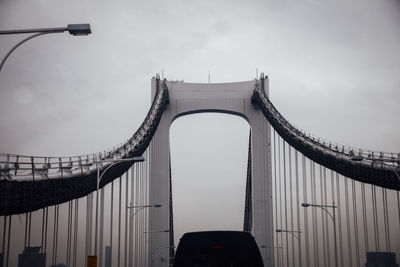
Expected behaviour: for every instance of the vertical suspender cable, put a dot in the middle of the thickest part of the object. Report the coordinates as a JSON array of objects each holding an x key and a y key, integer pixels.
[
  {"x": 276, "y": 201},
  {"x": 54, "y": 234},
  {"x": 119, "y": 221},
  {"x": 364, "y": 212},
  {"x": 136, "y": 223},
  {"x": 130, "y": 241},
  {"x": 87, "y": 228},
  {"x": 145, "y": 211},
  {"x": 137, "y": 219},
  {"x": 305, "y": 211},
  {"x": 298, "y": 207},
  {"x": 349, "y": 251},
  {"x": 280, "y": 193},
  {"x": 143, "y": 174},
  {"x": 143, "y": 190},
  {"x": 4, "y": 239},
  {"x": 69, "y": 223},
  {"x": 386, "y": 218},
  {"x": 126, "y": 219},
  {"x": 89, "y": 224},
  {"x": 75, "y": 232},
  {"x": 111, "y": 220},
  {"x": 339, "y": 220},
  {"x": 328, "y": 258},
  {"x": 42, "y": 237},
  {"x": 101, "y": 230},
  {"x": 333, "y": 201},
  {"x": 139, "y": 233},
  {"x": 58, "y": 217},
  {"x": 4, "y": 234},
  {"x": 8, "y": 240},
  {"x": 374, "y": 213},
  {"x": 291, "y": 203},
  {"x": 45, "y": 230},
  {"x": 286, "y": 215},
  {"x": 90, "y": 214},
  {"x": 140, "y": 214},
  {"x": 323, "y": 216},
  {"x": 356, "y": 240},
  {"x": 147, "y": 190},
  {"x": 314, "y": 214}
]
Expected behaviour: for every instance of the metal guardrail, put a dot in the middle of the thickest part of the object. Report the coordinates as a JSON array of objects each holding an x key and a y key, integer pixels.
[
  {"x": 25, "y": 167},
  {"x": 387, "y": 162}
]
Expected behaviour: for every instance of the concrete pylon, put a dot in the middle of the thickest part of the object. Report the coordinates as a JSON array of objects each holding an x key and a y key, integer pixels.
[{"x": 231, "y": 98}]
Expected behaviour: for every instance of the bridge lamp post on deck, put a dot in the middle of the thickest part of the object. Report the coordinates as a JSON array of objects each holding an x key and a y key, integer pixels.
[
  {"x": 140, "y": 207},
  {"x": 73, "y": 29},
  {"x": 293, "y": 233},
  {"x": 361, "y": 158},
  {"x": 99, "y": 177},
  {"x": 333, "y": 217},
  {"x": 290, "y": 232}
]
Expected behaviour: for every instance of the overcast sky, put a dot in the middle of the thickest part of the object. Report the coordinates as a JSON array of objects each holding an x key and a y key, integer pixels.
[{"x": 334, "y": 69}]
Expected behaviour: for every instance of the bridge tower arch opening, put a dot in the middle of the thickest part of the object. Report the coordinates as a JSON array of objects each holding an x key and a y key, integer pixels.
[
  {"x": 231, "y": 98},
  {"x": 209, "y": 158}
]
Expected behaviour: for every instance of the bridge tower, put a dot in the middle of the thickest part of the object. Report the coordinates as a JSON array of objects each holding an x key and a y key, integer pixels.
[{"x": 231, "y": 98}]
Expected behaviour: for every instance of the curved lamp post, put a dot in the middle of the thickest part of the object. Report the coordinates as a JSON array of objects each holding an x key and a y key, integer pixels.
[
  {"x": 290, "y": 232},
  {"x": 324, "y": 207},
  {"x": 114, "y": 162},
  {"x": 293, "y": 233},
  {"x": 140, "y": 207},
  {"x": 73, "y": 29}
]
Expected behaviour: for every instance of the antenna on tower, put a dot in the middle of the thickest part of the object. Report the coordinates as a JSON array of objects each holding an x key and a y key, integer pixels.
[
  {"x": 256, "y": 73},
  {"x": 162, "y": 74},
  {"x": 209, "y": 77}
]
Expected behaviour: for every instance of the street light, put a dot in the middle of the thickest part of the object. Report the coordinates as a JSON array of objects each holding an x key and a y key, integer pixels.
[
  {"x": 99, "y": 177},
  {"x": 140, "y": 207},
  {"x": 293, "y": 232},
  {"x": 290, "y": 232},
  {"x": 361, "y": 158},
  {"x": 73, "y": 29},
  {"x": 324, "y": 207}
]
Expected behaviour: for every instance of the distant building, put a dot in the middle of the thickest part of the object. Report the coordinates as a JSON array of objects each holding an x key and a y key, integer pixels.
[
  {"x": 31, "y": 257},
  {"x": 381, "y": 259}
]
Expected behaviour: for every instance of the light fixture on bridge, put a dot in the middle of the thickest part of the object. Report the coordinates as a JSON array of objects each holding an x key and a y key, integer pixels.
[
  {"x": 324, "y": 207},
  {"x": 73, "y": 29},
  {"x": 361, "y": 158}
]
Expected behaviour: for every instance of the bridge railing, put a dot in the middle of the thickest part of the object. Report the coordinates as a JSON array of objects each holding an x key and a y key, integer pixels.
[
  {"x": 380, "y": 168},
  {"x": 25, "y": 167}
]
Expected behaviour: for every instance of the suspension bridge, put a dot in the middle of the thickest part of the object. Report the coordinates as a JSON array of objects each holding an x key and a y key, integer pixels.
[{"x": 308, "y": 201}]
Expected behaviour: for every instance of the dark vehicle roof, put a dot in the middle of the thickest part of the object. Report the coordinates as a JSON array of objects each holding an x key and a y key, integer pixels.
[{"x": 218, "y": 249}]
